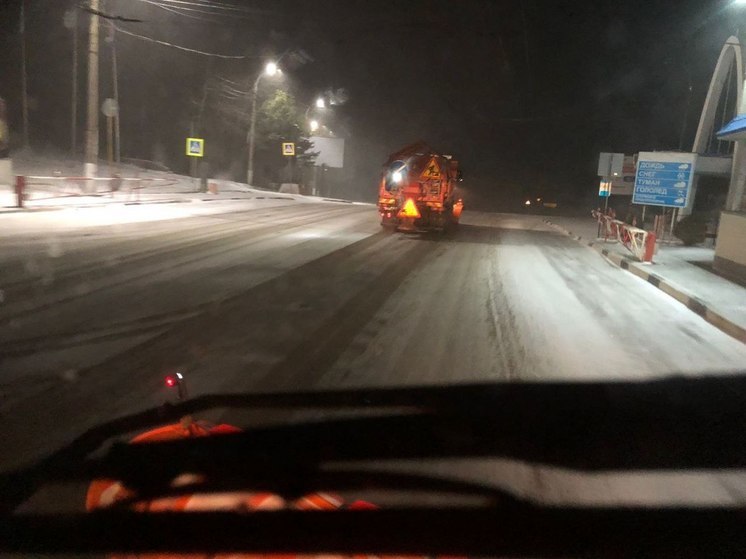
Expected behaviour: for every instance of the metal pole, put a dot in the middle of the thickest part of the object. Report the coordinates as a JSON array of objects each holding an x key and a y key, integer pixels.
[
  {"x": 115, "y": 78},
  {"x": 110, "y": 141},
  {"x": 91, "y": 148},
  {"x": 252, "y": 130},
  {"x": 20, "y": 190},
  {"x": 74, "y": 100},
  {"x": 674, "y": 211},
  {"x": 24, "y": 80},
  {"x": 192, "y": 160}
]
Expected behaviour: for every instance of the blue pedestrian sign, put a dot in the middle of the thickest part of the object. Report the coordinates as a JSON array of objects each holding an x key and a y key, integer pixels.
[
  {"x": 664, "y": 179},
  {"x": 195, "y": 147}
]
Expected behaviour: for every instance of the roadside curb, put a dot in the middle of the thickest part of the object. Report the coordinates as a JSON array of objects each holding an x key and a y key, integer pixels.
[
  {"x": 693, "y": 303},
  {"x": 10, "y": 210},
  {"x": 88, "y": 206}
]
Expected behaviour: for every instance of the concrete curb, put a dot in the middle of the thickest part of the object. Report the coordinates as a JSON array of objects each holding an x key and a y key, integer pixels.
[
  {"x": 88, "y": 206},
  {"x": 11, "y": 210},
  {"x": 693, "y": 303}
]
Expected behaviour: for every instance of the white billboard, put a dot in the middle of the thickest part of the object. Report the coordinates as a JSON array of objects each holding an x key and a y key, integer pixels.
[{"x": 331, "y": 151}]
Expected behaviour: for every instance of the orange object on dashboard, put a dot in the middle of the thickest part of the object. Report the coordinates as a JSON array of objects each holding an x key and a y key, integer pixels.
[{"x": 105, "y": 493}]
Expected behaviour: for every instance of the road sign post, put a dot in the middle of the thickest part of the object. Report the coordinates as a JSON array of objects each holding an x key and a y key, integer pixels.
[
  {"x": 110, "y": 109},
  {"x": 610, "y": 164}
]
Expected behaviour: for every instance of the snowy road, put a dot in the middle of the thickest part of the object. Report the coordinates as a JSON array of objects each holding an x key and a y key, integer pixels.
[{"x": 310, "y": 296}]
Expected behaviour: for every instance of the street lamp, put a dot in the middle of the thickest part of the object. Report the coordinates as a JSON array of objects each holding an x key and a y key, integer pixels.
[
  {"x": 269, "y": 70},
  {"x": 318, "y": 104}
]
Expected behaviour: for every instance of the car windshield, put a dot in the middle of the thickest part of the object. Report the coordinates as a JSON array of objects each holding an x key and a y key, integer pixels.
[{"x": 496, "y": 245}]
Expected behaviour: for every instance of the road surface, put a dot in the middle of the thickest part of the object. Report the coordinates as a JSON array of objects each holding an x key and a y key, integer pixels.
[{"x": 290, "y": 295}]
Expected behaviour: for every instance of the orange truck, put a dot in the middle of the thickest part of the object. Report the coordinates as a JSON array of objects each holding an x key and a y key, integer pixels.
[{"x": 417, "y": 190}]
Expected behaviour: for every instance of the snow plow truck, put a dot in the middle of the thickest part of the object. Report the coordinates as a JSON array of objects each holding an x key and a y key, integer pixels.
[{"x": 417, "y": 191}]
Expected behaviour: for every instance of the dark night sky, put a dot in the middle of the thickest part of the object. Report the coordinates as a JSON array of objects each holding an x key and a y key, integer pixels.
[{"x": 522, "y": 92}]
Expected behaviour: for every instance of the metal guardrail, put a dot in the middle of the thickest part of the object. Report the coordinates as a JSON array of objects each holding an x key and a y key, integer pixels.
[{"x": 56, "y": 186}]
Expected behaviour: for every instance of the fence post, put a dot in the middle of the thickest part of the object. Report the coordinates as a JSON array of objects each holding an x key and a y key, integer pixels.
[
  {"x": 20, "y": 190},
  {"x": 649, "y": 247}
]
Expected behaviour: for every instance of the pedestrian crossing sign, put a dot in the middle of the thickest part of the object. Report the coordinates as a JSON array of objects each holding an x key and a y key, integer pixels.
[
  {"x": 288, "y": 148},
  {"x": 195, "y": 147},
  {"x": 432, "y": 170}
]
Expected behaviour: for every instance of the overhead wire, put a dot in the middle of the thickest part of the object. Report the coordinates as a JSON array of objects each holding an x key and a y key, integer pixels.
[
  {"x": 183, "y": 48},
  {"x": 175, "y": 11},
  {"x": 183, "y": 8},
  {"x": 219, "y": 6}
]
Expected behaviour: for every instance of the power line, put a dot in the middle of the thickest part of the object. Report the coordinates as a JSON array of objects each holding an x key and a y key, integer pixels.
[
  {"x": 179, "y": 47},
  {"x": 108, "y": 16},
  {"x": 188, "y": 9},
  {"x": 175, "y": 11},
  {"x": 217, "y": 6}
]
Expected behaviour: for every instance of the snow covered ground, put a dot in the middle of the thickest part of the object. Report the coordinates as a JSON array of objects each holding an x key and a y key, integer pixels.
[
  {"x": 301, "y": 296},
  {"x": 57, "y": 182}
]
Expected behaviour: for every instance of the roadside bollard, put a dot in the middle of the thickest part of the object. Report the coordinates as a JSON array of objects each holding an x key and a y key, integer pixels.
[
  {"x": 649, "y": 247},
  {"x": 20, "y": 190}
]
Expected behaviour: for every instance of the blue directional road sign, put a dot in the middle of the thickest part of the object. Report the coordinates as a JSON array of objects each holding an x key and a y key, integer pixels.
[{"x": 663, "y": 179}]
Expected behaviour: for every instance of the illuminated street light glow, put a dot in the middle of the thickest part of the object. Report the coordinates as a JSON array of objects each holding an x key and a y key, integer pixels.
[
  {"x": 271, "y": 69},
  {"x": 320, "y": 104},
  {"x": 314, "y": 125},
  {"x": 528, "y": 202}
]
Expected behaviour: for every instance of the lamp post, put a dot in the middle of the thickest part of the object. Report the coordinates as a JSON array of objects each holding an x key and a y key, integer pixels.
[
  {"x": 318, "y": 104},
  {"x": 269, "y": 70}
]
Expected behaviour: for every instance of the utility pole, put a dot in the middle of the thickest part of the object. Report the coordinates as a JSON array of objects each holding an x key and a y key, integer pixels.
[
  {"x": 269, "y": 70},
  {"x": 252, "y": 132},
  {"x": 91, "y": 147},
  {"x": 24, "y": 80},
  {"x": 115, "y": 85},
  {"x": 71, "y": 22}
]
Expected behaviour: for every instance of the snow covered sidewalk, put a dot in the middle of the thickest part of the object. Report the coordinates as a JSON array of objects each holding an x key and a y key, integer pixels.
[
  {"x": 685, "y": 273},
  {"x": 57, "y": 183}
]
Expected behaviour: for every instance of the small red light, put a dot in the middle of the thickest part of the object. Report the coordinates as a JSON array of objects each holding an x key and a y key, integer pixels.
[{"x": 170, "y": 381}]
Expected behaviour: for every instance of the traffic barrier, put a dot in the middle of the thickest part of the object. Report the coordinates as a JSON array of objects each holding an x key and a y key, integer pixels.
[
  {"x": 639, "y": 242},
  {"x": 38, "y": 187}
]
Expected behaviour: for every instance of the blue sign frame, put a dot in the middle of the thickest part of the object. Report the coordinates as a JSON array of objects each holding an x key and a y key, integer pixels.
[{"x": 659, "y": 181}]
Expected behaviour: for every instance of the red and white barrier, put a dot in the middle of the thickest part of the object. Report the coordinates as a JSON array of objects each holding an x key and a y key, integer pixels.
[{"x": 639, "y": 242}]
